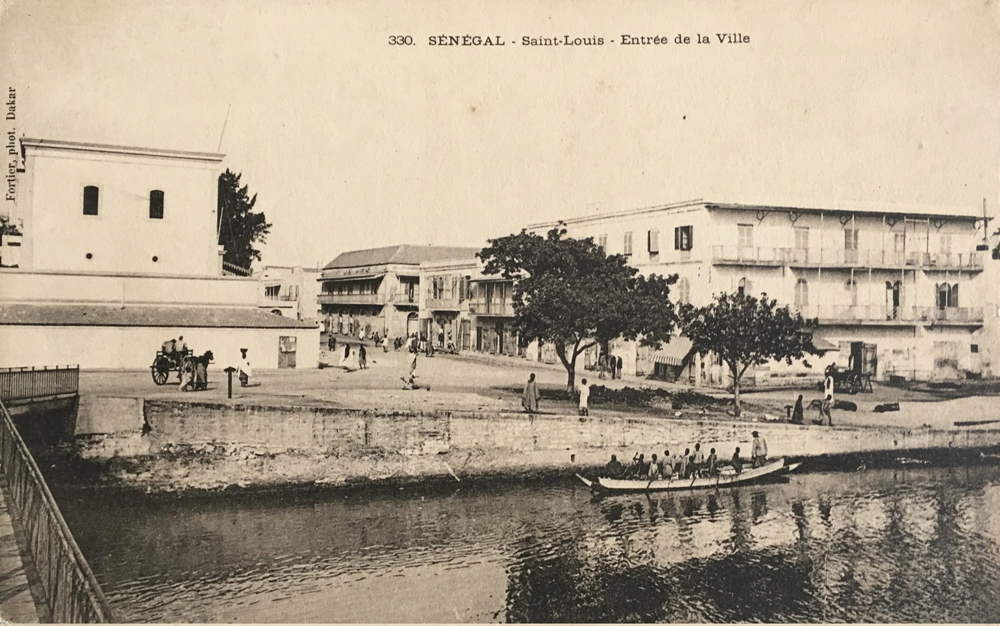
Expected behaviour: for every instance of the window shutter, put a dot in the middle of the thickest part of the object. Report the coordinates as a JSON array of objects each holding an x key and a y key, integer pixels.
[
  {"x": 677, "y": 238},
  {"x": 653, "y": 240},
  {"x": 954, "y": 295},
  {"x": 690, "y": 241}
]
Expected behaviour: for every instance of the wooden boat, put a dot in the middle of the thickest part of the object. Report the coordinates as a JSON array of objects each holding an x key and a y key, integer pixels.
[{"x": 725, "y": 479}]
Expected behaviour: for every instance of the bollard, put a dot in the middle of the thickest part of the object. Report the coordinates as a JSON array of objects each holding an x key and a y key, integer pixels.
[{"x": 229, "y": 371}]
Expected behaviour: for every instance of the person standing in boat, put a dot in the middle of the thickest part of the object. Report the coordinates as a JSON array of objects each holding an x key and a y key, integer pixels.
[
  {"x": 697, "y": 460},
  {"x": 736, "y": 462},
  {"x": 758, "y": 454},
  {"x": 712, "y": 464},
  {"x": 614, "y": 468},
  {"x": 685, "y": 464},
  {"x": 530, "y": 397}
]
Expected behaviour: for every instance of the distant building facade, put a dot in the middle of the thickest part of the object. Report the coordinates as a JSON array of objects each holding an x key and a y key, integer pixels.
[
  {"x": 899, "y": 287},
  {"x": 290, "y": 291},
  {"x": 378, "y": 290},
  {"x": 462, "y": 308},
  {"x": 118, "y": 253}
]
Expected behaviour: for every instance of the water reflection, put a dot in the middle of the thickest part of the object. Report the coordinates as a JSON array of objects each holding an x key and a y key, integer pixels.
[{"x": 915, "y": 545}]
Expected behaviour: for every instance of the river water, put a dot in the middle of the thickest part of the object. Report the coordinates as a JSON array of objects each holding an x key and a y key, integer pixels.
[{"x": 904, "y": 545}]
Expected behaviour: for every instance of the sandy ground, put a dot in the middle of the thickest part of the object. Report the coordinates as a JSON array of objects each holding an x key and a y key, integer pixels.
[{"x": 483, "y": 383}]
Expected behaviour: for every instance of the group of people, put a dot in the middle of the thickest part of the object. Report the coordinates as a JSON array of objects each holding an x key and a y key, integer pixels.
[
  {"x": 825, "y": 407},
  {"x": 609, "y": 364},
  {"x": 689, "y": 465}
]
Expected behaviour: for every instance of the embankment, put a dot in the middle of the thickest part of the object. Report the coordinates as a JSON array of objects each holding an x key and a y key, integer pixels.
[{"x": 173, "y": 445}]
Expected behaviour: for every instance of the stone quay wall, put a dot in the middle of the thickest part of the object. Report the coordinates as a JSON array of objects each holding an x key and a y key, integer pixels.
[{"x": 254, "y": 444}]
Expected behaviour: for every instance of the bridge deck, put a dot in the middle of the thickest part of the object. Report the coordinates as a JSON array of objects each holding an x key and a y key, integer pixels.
[{"x": 17, "y": 603}]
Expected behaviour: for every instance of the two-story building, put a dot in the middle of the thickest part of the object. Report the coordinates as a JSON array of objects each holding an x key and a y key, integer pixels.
[
  {"x": 378, "y": 290},
  {"x": 290, "y": 291},
  {"x": 896, "y": 286},
  {"x": 118, "y": 253}
]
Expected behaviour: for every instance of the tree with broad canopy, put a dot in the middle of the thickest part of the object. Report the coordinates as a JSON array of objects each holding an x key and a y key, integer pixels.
[
  {"x": 744, "y": 331},
  {"x": 570, "y": 293}
]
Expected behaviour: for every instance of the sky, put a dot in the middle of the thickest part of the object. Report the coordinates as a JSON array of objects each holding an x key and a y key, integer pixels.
[{"x": 352, "y": 143}]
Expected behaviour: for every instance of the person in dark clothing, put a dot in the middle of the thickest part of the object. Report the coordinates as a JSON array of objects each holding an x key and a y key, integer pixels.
[
  {"x": 797, "y": 411},
  {"x": 612, "y": 364},
  {"x": 362, "y": 357},
  {"x": 619, "y": 367},
  {"x": 712, "y": 463},
  {"x": 614, "y": 468},
  {"x": 736, "y": 462}
]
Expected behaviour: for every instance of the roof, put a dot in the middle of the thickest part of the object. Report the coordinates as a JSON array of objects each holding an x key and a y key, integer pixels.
[
  {"x": 173, "y": 316},
  {"x": 78, "y": 146},
  {"x": 401, "y": 254},
  {"x": 920, "y": 211}
]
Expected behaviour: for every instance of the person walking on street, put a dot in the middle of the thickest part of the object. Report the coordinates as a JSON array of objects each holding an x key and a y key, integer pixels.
[
  {"x": 245, "y": 371},
  {"x": 530, "y": 397},
  {"x": 827, "y": 405},
  {"x": 618, "y": 367},
  {"x": 613, "y": 364},
  {"x": 797, "y": 411},
  {"x": 362, "y": 357},
  {"x": 413, "y": 362},
  {"x": 758, "y": 453},
  {"x": 584, "y": 390}
]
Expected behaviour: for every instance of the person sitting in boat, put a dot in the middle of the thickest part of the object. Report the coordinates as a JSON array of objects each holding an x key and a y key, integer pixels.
[
  {"x": 736, "y": 462},
  {"x": 712, "y": 464},
  {"x": 666, "y": 467},
  {"x": 614, "y": 468},
  {"x": 654, "y": 469}
]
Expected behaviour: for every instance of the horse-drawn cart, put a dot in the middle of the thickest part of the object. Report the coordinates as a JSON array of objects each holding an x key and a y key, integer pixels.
[
  {"x": 163, "y": 364},
  {"x": 849, "y": 380}
]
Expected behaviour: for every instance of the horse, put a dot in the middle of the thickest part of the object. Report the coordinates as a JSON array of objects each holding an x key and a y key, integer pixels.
[{"x": 194, "y": 372}]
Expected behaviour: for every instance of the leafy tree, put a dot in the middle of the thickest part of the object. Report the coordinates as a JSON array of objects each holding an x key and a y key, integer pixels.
[
  {"x": 238, "y": 226},
  {"x": 570, "y": 293},
  {"x": 745, "y": 331}
]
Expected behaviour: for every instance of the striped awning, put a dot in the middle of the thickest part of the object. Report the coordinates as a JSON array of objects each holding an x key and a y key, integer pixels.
[{"x": 673, "y": 353}]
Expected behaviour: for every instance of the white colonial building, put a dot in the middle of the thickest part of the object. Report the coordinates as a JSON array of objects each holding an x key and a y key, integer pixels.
[
  {"x": 117, "y": 254},
  {"x": 899, "y": 287},
  {"x": 291, "y": 291}
]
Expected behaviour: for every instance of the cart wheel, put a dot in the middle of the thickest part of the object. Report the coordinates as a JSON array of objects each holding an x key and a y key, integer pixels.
[
  {"x": 855, "y": 386},
  {"x": 159, "y": 376}
]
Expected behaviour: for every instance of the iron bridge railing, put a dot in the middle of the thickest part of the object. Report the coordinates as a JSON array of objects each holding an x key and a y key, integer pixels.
[
  {"x": 71, "y": 591},
  {"x": 30, "y": 383}
]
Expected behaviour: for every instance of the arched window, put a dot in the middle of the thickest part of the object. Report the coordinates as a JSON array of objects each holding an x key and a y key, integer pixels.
[
  {"x": 683, "y": 291},
  {"x": 947, "y": 295},
  {"x": 851, "y": 286},
  {"x": 802, "y": 292},
  {"x": 90, "y": 198},
  {"x": 744, "y": 287},
  {"x": 156, "y": 204}
]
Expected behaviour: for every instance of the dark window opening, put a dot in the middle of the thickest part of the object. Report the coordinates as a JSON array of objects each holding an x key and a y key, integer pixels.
[
  {"x": 683, "y": 237},
  {"x": 90, "y": 197},
  {"x": 156, "y": 205}
]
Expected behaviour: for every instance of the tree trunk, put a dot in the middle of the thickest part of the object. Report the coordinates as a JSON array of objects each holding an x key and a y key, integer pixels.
[
  {"x": 736, "y": 395},
  {"x": 569, "y": 365}
]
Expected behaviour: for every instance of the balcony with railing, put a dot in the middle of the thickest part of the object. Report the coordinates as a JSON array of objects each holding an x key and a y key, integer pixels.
[
  {"x": 351, "y": 298},
  {"x": 445, "y": 304},
  {"x": 885, "y": 259},
  {"x": 880, "y": 314},
  {"x": 737, "y": 255},
  {"x": 492, "y": 306}
]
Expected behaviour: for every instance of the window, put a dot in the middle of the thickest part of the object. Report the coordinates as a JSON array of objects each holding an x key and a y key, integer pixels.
[
  {"x": 683, "y": 291},
  {"x": 945, "y": 244},
  {"x": 602, "y": 243},
  {"x": 947, "y": 295},
  {"x": 627, "y": 248},
  {"x": 653, "y": 242},
  {"x": 802, "y": 292},
  {"x": 156, "y": 204},
  {"x": 801, "y": 238},
  {"x": 851, "y": 286},
  {"x": 744, "y": 287},
  {"x": 899, "y": 242},
  {"x": 90, "y": 196},
  {"x": 850, "y": 245},
  {"x": 974, "y": 348},
  {"x": 683, "y": 237},
  {"x": 272, "y": 292},
  {"x": 745, "y": 233}
]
